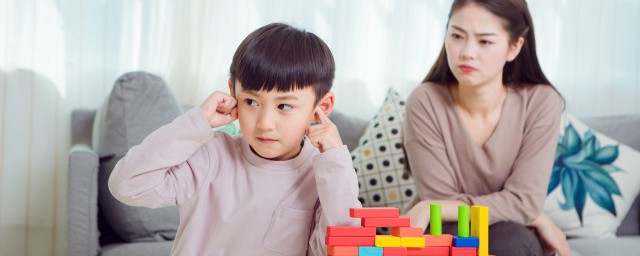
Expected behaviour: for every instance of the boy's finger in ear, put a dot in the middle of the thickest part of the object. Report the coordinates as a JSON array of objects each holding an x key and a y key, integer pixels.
[{"x": 323, "y": 118}]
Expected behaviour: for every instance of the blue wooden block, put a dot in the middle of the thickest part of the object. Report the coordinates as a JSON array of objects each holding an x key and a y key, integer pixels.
[
  {"x": 469, "y": 242},
  {"x": 369, "y": 251}
]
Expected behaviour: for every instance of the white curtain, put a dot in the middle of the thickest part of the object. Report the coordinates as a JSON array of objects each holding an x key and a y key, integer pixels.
[{"x": 56, "y": 55}]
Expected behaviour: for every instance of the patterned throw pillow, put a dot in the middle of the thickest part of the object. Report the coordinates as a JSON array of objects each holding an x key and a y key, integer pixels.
[
  {"x": 379, "y": 161},
  {"x": 594, "y": 182}
]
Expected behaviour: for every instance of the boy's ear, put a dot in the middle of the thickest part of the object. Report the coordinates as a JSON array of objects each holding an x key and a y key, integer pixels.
[
  {"x": 231, "y": 91},
  {"x": 326, "y": 104}
]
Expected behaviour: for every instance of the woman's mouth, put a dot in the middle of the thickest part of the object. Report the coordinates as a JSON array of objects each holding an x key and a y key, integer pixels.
[{"x": 467, "y": 69}]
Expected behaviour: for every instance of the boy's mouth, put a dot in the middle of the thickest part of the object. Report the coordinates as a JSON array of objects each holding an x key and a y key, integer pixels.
[{"x": 266, "y": 140}]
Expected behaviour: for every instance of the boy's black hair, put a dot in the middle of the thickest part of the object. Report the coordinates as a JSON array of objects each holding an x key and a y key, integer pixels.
[{"x": 281, "y": 57}]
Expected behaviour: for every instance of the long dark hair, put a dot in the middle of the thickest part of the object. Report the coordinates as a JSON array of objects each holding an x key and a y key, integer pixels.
[{"x": 524, "y": 69}]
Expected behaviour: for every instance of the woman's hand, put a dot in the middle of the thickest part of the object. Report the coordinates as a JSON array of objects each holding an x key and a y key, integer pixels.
[
  {"x": 419, "y": 215},
  {"x": 220, "y": 109},
  {"x": 552, "y": 235}
]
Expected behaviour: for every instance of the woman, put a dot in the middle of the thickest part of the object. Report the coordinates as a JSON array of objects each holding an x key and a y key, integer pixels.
[{"x": 483, "y": 126}]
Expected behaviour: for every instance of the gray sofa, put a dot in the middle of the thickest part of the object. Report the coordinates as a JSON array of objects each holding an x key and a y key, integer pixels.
[{"x": 88, "y": 233}]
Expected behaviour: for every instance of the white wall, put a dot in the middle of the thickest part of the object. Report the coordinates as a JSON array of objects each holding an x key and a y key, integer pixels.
[{"x": 65, "y": 54}]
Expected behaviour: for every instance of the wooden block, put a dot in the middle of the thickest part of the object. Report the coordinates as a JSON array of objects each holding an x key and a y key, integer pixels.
[
  {"x": 472, "y": 242},
  {"x": 342, "y": 250},
  {"x": 412, "y": 242},
  {"x": 437, "y": 250},
  {"x": 480, "y": 228},
  {"x": 442, "y": 240},
  {"x": 370, "y": 251},
  {"x": 459, "y": 251},
  {"x": 407, "y": 231},
  {"x": 386, "y": 222},
  {"x": 374, "y": 212},
  {"x": 399, "y": 251},
  {"x": 351, "y": 231},
  {"x": 350, "y": 241},
  {"x": 387, "y": 241}
]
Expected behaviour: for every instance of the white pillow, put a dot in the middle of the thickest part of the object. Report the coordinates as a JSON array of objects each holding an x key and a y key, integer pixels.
[
  {"x": 379, "y": 159},
  {"x": 600, "y": 178}
]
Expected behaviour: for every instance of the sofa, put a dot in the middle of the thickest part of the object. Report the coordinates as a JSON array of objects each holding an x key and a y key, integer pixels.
[{"x": 90, "y": 234}]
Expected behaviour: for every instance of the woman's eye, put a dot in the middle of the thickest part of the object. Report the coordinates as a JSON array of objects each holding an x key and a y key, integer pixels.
[
  {"x": 485, "y": 42},
  {"x": 456, "y": 36},
  {"x": 285, "y": 107},
  {"x": 251, "y": 102}
]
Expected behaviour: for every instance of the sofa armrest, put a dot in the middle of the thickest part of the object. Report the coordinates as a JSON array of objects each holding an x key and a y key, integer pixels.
[{"x": 82, "y": 191}]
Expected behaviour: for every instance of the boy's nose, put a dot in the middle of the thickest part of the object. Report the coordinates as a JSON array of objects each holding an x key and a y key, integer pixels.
[{"x": 266, "y": 121}]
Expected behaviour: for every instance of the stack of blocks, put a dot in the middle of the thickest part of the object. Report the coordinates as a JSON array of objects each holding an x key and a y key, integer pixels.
[{"x": 407, "y": 240}]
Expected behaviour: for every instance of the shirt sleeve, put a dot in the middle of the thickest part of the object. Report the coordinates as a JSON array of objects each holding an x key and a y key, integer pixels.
[
  {"x": 337, "y": 186},
  {"x": 522, "y": 197},
  {"x": 424, "y": 145},
  {"x": 168, "y": 166},
  {"x": 525, "y": 190}
]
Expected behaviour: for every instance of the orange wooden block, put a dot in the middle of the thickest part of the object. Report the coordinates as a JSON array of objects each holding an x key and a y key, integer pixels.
[
  {"x": 386, "y": 222},
  {"x": 342, "y": 250},
  {"x": 350, "y": 241},
  {"x": 407, "y": 231},
  {"x": 442, "y": 240},
  {"x": 463, "y": 251},
  {"x": 374, "y": 212},
  {"x": 397, "y": 251},
  {"x": 350, "y": 231}
]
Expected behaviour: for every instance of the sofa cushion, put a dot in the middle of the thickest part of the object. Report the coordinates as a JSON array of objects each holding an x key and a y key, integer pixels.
[
  {"x": 142, "y": 249},
  {"x": 594, "y": 182},
  {"x": 138, "y": 104},
  {"x": 605, "y": 246},
  {"x": 379, "y": 158},
  {"x": 350, "y": 128}
]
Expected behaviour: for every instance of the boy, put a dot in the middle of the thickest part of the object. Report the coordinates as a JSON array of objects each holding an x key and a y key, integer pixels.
[{"x": 272, "y": 191}]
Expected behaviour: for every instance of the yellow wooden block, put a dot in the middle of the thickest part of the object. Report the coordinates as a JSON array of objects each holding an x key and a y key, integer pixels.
[
  {"x": 388, "y": 241},
  {"x": 412, "y": 242},
  {"x": 480, "y": 228}
]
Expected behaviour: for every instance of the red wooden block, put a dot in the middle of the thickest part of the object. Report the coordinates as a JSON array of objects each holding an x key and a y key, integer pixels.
[
  {"x": 397, "y": 251},
  {"x": 463, "y": 251},
  {"x": 386, "y": 222},
  {"x": 350, "y": 231},
  {"x": 407, "y": 231},
  {"x": 429, "y": 251},
  {"x": 342, "y": 250},
  {"x": 374, "y": 212},
  {"x": 441, "y": 240},
  {"x": 350, "y": 241}
]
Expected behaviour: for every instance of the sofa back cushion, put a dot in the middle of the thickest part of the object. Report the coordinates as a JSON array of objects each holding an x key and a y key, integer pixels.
[{"x": 138, "y": 104}]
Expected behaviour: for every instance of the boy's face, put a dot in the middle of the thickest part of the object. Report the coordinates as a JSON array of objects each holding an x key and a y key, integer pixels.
[{"x": 274, "y": 123}]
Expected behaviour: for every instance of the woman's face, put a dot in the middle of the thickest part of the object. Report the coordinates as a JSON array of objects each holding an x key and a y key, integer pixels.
[{"x": 478, "y": 46}]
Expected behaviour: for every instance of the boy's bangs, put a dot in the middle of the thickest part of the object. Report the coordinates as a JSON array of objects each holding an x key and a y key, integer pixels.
[{"x": 283, "y": 58}]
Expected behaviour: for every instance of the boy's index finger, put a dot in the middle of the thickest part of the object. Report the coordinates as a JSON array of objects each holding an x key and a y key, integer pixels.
[{"x": 323, "y": 118}]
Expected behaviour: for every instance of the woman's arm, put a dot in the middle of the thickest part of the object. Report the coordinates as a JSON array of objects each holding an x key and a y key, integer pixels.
[{"x": 420, "y": 213}]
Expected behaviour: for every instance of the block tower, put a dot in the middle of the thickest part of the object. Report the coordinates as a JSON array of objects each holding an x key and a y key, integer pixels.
[{"x": 407, "y": 240}]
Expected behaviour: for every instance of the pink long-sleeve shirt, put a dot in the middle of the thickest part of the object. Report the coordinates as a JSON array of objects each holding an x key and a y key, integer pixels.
[
  {"x": 509, "y": 173},
  {"x": 232, "y": 201}
]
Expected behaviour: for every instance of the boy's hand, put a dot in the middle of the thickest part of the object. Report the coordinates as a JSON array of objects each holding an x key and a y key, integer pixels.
[
  {"x": 220, "y": 109},
  {"x": 324, "y": 135}
]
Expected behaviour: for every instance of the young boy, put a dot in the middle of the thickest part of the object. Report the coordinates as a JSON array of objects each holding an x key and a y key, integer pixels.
[{"x": 272, "y": 191}]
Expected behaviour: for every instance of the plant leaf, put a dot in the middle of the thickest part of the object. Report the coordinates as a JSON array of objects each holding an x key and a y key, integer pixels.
[
  {"x": 555, "y": 179},
  {"x": 602, "y": 178},
  {"x": 605, "y": 155},
  {"x": 601, "y": 195},
  {"x": 569, "y": 182},
  {"x": 572, "y": 140}
]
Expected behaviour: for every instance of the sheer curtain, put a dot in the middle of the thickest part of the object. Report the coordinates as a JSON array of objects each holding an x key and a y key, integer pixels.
[{"x": 56, "y": 55}]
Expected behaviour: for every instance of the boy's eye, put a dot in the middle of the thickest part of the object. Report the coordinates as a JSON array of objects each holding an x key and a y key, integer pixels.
[
  {"x": 251, "y": 102},
  {"x": 285, "y": 107}
]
